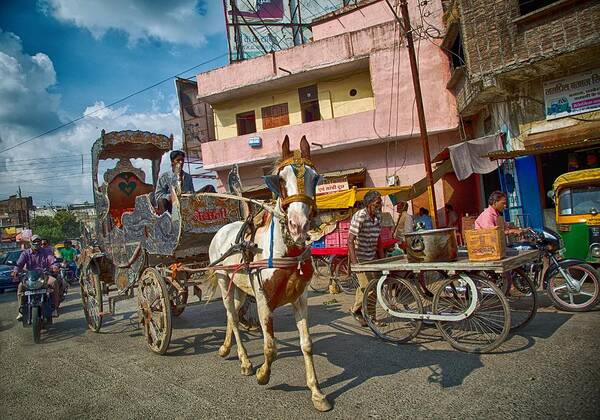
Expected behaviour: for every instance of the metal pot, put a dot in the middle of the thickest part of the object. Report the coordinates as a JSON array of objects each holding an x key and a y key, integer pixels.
[{"x": 435, "y": 245}]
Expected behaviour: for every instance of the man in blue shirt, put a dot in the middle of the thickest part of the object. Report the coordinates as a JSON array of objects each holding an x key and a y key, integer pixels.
[{"x": 424, "y": 219}]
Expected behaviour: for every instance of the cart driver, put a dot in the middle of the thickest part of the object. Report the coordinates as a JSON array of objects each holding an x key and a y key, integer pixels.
[
  {"x": 363, "y": 245},
  {"x": 176, "y": 176},
  {"x": 36, "y": 258}
]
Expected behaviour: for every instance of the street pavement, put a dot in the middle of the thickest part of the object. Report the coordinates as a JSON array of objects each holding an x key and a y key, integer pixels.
[{"x": 550, "y": 370}]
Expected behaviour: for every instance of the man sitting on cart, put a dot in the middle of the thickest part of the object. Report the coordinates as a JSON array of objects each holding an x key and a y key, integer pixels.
[
  {"x": 177, "y": 176},
  {"x": 491, "y": 216},
  {"x": 363, "y": 245}
]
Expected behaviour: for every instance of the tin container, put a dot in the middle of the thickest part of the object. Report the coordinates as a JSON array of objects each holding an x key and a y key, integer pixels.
[{"x": 435, "y": 245}]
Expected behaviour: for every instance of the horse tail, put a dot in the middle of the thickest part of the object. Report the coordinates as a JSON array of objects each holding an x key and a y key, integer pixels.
[{"x": 211, "y": 280}]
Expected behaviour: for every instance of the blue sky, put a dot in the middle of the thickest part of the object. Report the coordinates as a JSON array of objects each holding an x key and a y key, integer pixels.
[{"x": 59, "y": 58}]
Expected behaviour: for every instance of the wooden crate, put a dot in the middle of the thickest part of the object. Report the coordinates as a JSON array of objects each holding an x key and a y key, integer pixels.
[{"x": 486, "y": 244}]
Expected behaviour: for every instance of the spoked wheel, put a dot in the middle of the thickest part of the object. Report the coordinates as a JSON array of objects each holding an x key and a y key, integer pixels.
[
  {"x": 486, "y": 328},
  {"x": 400, "y": 296},
  {"x": 321, "y": 274},
  {"x": 154, "y": 307},
  {"x": 248, "y": 314},
  {"x": 563, "y": 297},
  {"x": 344, "y": 277},
  {"x": 91, "y": 296},
  {"x": 178, "y": 300},
  {"x": 521, "y": 293}
]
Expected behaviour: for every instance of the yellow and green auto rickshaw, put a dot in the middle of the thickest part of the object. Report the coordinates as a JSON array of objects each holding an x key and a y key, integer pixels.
[{"x": 577, "y": 200}]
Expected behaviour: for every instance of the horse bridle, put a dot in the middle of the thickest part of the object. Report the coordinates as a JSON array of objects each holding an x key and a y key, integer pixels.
[{"x": 299, "y": 165}]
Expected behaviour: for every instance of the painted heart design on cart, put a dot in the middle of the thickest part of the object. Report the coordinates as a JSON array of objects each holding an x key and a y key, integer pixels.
[{"x": 127, "y": 188}]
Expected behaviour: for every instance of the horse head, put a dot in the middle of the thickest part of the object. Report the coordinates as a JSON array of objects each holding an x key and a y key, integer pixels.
[{"x": 294, "y": 182}]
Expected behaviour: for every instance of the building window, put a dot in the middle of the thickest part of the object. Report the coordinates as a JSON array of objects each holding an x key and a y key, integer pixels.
[
  {"x": 456, "y": 53},
  {"x": 309, "y": 103},
  {"x": 246, "y": 123},
  {"x": 528, "y": 6},
  {"x": 275, "y": 116}
]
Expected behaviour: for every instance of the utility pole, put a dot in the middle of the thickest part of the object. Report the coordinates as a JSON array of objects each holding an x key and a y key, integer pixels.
[{"x": 405, "y": 27}]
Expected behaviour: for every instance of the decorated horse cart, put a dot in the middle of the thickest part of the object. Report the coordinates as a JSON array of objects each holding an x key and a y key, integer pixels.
[{"x": 134, "y": 246}]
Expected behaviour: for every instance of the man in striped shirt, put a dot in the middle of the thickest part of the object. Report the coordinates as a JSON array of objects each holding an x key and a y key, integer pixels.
[{"x": 363, "y": 245}]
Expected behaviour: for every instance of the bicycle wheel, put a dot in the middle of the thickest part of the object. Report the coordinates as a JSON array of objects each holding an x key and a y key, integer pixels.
[
  {"x": 343, "y": 276},
  {"x": 486, "y": 328},
  {"x": 400, "y": 296},
  {"x": 569, "y": 300},
  {"x": 321, "y": 275},
  {"x": 520, "y": 291}
]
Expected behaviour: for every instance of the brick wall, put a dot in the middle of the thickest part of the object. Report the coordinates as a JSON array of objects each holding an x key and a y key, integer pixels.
[{"x": 495, "y": 41}]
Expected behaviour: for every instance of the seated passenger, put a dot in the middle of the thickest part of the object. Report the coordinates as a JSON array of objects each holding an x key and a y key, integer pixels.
[{"x": 176, "y": 177}]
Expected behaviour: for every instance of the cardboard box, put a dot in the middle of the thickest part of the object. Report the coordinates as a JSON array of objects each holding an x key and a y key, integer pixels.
[{"x": 486, "y": 244}]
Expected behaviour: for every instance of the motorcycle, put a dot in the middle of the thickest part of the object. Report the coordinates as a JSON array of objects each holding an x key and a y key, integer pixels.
[
  {"x": 37, "y": 304},
  {"x": 571, "y": 284},
  {"x": 66, "y": 276}
]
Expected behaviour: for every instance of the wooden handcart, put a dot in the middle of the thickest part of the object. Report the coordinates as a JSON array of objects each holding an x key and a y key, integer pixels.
[{"x": 467, "y": 302}]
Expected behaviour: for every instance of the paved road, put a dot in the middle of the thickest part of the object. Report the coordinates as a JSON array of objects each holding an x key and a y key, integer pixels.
[{"x": 551, "y": 370}]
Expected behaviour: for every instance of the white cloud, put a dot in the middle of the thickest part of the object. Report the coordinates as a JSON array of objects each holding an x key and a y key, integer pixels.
[
  {"x": 176, "y": 21},
  {"x": 27, "y": 109}
]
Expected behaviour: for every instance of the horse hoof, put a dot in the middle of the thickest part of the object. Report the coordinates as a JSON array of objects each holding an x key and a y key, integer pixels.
[
  {"x": 263, "y": 376},
  {"x": 321, "y": 404},
  {"x": 247, "y": 370},
  {"x": 224, "y": 351}
]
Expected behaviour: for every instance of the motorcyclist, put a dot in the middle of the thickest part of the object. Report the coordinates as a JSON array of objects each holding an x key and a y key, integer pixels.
[
  {"x": 36, "y": 258},
  {"x": 69, "y": 254}
]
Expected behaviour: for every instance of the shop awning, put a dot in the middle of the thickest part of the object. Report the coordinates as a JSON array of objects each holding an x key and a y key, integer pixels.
[
  {"x": 540, "y": 149},
  {"x": 552, "y": 136},
  {"x": 347, "y": 199}
]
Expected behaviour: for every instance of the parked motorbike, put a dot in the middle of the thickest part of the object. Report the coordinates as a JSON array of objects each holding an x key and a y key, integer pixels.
[
  {"x": 571, "y": 284},
  {"x": 37, "y": 304}
]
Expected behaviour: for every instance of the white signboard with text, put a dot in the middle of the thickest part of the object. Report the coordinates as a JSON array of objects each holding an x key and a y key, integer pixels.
[
  {"x": 572, "y": 94},
  {"x": 333, "y": 187}
]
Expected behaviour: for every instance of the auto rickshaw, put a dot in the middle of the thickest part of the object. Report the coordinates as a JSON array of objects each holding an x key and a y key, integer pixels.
[{"x": 577, "y": 199}]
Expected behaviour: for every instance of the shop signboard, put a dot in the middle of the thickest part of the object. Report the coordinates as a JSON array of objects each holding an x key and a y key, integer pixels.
[
  {"x": 572, "y": 95},
  {"x": 333, "y": 187}
]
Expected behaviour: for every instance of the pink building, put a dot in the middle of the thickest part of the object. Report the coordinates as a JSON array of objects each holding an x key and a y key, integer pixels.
[{"x": 349, "y": 91}]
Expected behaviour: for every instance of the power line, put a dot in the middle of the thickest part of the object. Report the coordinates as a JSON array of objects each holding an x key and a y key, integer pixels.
[{"x": 111, "y": 104}]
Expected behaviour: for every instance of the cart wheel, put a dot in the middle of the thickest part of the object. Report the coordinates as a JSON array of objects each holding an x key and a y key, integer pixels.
[
  {"x": 343, "y": 276},
  {"x": 486, "y": 328},
  {"x": 178, "y": 300},
  {"x": 248, "y": 314},
  {"x": 91, "y": 296},
  {"x": 521, "y": 293},
  {"x": 154, "y": 308},
  {"x": 400, "y": 296},
  {"x": 321, "y": 274}
]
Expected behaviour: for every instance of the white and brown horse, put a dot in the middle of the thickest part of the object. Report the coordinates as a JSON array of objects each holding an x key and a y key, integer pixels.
[{"x": 294, "y": 183}]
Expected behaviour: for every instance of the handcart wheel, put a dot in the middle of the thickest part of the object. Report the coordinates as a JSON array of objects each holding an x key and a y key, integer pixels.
[
  {"x": 521, "y": 293},
  {"x": 91, "y": 296},
  {"x": 154, "y": 308},
  {"x": 321, "y": 274},
  {"x": 344, "y": 277},
  {"x": 178, "y": 300},
  {"x": 398, "y": 295},
  {"x": 486, "y": 328},
  {"x": 248, "y": 314}
]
